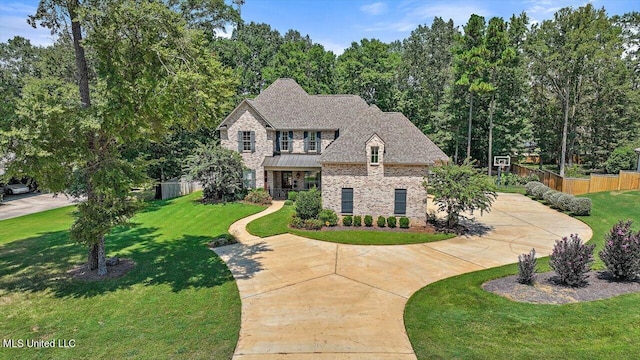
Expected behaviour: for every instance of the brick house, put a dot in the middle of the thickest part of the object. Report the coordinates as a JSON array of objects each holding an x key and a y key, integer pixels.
[{"x": 363, "y": 160}]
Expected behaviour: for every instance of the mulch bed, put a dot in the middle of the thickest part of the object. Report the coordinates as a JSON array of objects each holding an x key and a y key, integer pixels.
[
  {"x": 417, "y": 229},
  {"x": 547, "y": 290},
  {"x": 82, "y": 272}
]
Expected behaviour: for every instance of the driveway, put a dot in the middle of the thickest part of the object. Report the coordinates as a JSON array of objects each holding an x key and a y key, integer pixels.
[
  {"x": 23, "y": 204},
  {"x": 309, "y": 299}
]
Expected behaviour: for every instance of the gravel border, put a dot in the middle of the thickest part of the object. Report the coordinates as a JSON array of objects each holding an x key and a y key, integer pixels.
[{"x": 546, "y": 289}]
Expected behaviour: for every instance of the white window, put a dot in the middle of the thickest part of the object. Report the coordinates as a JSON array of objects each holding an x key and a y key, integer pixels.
[
  {"x": 374, "y": 154},
  {"x": 312, "y": 141},
  {"x": 246, "y": 140},
  {"x": 284, "y": 141}
]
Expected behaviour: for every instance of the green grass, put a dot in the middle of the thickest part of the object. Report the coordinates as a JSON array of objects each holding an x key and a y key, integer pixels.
[
  {"x": 455, "y": 318},
  {"x": 180, "y": 300},
  {"x": 277, "y": 223}
]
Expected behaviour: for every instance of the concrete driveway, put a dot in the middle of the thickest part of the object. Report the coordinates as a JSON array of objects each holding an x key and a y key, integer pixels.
[
  {"x": 309, "y": 299},
  {"x": 23, "y": 204}
]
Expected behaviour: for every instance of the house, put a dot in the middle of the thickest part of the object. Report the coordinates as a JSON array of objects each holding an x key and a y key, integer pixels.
[{"x": 363, "y": 160}]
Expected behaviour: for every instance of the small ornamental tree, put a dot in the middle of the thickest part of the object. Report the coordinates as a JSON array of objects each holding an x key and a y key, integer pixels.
[
  {"x": 621, "y": 253},
  {"x": 459, "y": 188},
  {"x": 219, "y": 170},
  {"x": 527, "y": 268},
  {"x": 308, "y": 204},
  {"x": 571, "y": 260}
]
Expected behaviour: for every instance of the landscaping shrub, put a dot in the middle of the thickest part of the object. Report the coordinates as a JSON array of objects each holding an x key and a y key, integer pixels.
[
  {"x": 404, "y": 222},
  {"x": 296, "y": 222},
  {"x": 347, "y": 220},
  {"x": 527, "y": 268},
  {"x": 571, "y": 260},
  {"x": 313, "y": 224},
  {"x": 547, "y": 195},
  {"x": 308, "y": 204},
  {"x": 580, "y": 206},
  {"x": 328, "y": 217},
  {"x": 357, "y": 220},
  {"x": 530, "y": 186},
  {"x": 555, "y": 197},
  {"x": 539, "y": 190},
  {"x": 565, "y": 201},
  {"x": 368, "y": 220},
  {"x": 292, "y": 195},
  {"x": 381, "y": 221},
  {"x": 258, "y": 196},
  {"x": 288, "y": 202},
  {"x": 391, "y": 221},
  {"x": 622, "y": 158},
  {"x": 621, "y": 252}
]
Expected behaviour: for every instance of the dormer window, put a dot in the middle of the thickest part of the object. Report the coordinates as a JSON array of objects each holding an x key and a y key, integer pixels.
[{"x": 374, "y": 155}]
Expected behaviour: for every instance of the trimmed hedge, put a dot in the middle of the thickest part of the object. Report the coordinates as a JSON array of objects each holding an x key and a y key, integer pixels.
[
  {"x": 404, "y": 222},
  {"x": 391, "y": 221},
  {"x": 580, "y": 206},
  {"x": 347, "y": 220},
  {"x": 565, "y": 201},
  {"x": 258, "y": 196},
  {"x": 368, "y": 220},
  {"x": 328, "y": 217},
  {"x": 381, "y": 221},
  {"x": 357, "y": 220},
  {"x": 539, "y": 190},
  {"x": 530, "y": 186}
]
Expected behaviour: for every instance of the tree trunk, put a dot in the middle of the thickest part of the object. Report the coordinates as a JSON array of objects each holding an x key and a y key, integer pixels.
[
  {"x": 81, "y": 61},
  {"x": 102, "y": 259},
  {"x": 565, "y": 129},
  {"x": 490, "y": 154},
  {"x": 470, "y": 123},
  {"x": 92, "y": 258}
]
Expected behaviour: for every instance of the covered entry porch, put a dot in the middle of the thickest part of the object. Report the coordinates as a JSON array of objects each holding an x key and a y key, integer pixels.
[{"x": 286, "y": 173}]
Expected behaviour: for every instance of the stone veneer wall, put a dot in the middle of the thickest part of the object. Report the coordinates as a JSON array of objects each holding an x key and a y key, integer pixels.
[
  {"x": 245, "y": 119},
  {"x": 375, "y": 196}
]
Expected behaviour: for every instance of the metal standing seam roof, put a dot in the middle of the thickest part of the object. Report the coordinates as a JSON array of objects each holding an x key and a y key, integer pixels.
[{"x": 292, "y": 161}]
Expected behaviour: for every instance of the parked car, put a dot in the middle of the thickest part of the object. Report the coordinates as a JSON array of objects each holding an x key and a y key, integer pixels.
[{"x": 12, "y": 189}]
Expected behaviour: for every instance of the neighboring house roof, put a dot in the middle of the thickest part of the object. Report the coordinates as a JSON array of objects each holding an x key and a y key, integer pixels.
[
  {"x": 403, "y": 142},
  {"x": 292, "y": 161}
]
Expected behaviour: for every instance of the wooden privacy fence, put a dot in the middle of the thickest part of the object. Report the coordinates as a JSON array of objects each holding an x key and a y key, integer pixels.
[
  {"x": 626, "y": 180},
  {"x": 177, "y": 187}
]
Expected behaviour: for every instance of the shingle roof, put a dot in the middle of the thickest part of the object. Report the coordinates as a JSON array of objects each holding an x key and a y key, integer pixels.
[
  {"x": 286, "y": 106},
  {"x": 403, "y": 142}
]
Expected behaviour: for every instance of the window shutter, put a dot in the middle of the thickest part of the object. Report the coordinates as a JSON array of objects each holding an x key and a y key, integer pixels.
[
  {"x": 253, "y": 141},
  {"x": 400, "y": 202},
  {"x": 290, "y": 141},
  {"x": 306, "y": 141},
  {"x": 278, "y": 142},
  {"x": 318, "y": 142},
  {"x": 253, "y": 179},
  {"x": 240, "y": 141},
  {"x": 347, "y": 201}
]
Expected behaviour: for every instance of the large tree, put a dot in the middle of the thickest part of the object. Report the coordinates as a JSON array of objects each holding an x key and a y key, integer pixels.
[
  {"x": 567, "y": 54},
  {"x": 368, "y": 69},
  {"x": 152, "y": 74}
]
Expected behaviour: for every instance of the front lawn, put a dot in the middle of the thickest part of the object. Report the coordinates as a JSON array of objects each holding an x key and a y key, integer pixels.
[
  {"x": 277, "y": 223},
  {"x": 456, "y": 318},
  {"x": 180, "y": 300}
]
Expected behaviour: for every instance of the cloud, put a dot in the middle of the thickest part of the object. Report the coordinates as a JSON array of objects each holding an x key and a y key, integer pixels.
[
  {"x": 13, "y": 22},
  {"x": 374, "y": 9},
  {"x": 539, "y": 10},
  {"x": 417, "y": 13},
  {"x": 330, "y": 45}
]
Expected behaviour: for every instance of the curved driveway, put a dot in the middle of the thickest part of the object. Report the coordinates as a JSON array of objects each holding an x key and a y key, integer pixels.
[{"x": 309, "y": 299}]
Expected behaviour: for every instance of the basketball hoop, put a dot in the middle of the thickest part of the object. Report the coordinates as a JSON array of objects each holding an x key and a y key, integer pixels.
[{"x": 501, "y": 162}]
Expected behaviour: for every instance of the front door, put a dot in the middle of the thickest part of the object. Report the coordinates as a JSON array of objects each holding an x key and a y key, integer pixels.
[{"x": 287, "y": 180}]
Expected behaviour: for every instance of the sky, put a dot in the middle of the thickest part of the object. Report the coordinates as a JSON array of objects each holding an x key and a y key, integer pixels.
[{"x": 337, "y": 23}]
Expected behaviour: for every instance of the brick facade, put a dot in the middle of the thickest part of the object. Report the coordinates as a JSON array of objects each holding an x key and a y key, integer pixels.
[{"x": 374, "y": 195}]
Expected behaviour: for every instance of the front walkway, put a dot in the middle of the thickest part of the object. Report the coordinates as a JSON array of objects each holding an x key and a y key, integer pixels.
[{"x": 309, "y": 299}]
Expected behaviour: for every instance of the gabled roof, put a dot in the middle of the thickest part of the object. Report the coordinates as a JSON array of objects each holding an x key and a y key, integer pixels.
[
  {"x": 286, "y": 106},
  {"x": 404, "y": 143}
]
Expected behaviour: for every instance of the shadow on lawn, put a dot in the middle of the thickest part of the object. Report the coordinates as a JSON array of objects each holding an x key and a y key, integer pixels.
[{"x": 40, "y": 263}]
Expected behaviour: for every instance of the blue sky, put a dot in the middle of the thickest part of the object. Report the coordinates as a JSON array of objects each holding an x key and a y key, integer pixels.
[{"x": 337, "y": 23}]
